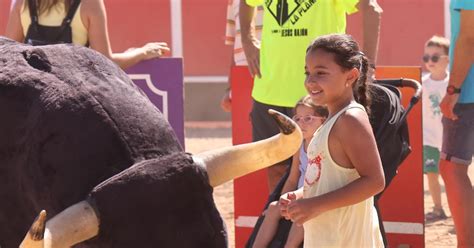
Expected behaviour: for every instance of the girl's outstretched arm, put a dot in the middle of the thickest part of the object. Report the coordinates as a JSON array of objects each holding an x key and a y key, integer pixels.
[
  {"x": 96, "y": 23},
  {"x": 356, "y": 147}
]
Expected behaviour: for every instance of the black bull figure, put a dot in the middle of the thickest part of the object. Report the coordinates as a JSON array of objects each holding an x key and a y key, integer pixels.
[{"x": 81, "y": 141}]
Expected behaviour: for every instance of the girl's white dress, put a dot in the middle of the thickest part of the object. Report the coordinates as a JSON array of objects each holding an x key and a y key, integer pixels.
[{"x": 351, "y": 226}]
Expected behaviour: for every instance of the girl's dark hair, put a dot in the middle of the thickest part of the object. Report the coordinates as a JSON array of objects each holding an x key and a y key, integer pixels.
[
  {"x": 319, "y": 110},
  {"x": 348, "y": 56},
  {"x": 44, "y": 6}
]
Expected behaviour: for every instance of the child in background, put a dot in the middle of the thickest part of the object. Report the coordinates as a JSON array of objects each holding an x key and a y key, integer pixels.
[
  {"x": 434, "y": 87},
  {"x": 336, "y": 204},
  {"x": 309, "y": 118}
]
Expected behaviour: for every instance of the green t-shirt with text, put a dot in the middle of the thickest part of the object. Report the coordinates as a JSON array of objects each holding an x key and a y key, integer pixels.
[{"x": 289, "y": 26}]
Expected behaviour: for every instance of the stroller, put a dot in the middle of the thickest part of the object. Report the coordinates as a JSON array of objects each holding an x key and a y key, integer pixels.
[{"x": 390, "y": 127}]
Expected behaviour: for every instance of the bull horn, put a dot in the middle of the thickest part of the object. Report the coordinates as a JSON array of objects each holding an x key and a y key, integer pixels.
[
  {"x": 73, "y": 225},
  {"x": 225, "y": 164},
  {"x": 35, "y": 236}
]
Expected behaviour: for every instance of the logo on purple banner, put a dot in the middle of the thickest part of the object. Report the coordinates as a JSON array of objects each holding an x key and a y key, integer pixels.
[{"x": 162, "y": 81}]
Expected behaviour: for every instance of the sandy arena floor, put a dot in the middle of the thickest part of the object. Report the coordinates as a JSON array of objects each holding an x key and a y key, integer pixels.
[{"x": 207, "y": 136}]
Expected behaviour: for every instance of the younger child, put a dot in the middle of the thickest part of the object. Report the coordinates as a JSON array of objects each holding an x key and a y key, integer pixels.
[
  {"x": 336, "y": 205},
  {"x": 309, "y": 118},
  {"x": 434, "y": 87}
]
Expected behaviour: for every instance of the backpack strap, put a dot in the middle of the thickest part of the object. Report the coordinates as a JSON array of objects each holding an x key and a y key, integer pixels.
[
  {"x": 70, "y": 14},
  {"x": 33, "y": 12}
]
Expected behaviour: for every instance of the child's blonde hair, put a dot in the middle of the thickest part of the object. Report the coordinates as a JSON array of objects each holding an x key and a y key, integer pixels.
[
  {"x": 438, "y": 41},
  {"x": 319, "y": 110}
]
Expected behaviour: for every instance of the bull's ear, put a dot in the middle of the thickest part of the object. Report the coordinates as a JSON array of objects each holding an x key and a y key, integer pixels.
[
  {"x": 226, "y": 164},
  {"x": 35, "y": 236}
]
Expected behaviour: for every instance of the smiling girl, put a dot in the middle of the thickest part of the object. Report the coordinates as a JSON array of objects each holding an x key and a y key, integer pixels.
[{"x": 344, "y": 169}]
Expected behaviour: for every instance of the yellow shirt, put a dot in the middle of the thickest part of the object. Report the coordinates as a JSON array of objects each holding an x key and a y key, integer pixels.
[
  {"x": 289, "y": 26},
  {"x": 54, "y": 18}
]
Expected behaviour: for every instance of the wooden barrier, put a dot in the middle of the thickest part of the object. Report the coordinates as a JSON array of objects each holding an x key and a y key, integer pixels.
[{"x": 162, "y": 81}]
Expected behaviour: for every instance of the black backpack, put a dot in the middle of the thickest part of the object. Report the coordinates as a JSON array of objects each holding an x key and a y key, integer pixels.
[
  {"x": 388, "y": 120},
  {"x": 39, "y": 35}
]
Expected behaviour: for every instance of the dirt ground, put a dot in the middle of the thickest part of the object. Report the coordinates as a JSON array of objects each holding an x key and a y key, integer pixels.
[
  {"x": 206, "y": 136},
  {"x": 440, "y": 233}
]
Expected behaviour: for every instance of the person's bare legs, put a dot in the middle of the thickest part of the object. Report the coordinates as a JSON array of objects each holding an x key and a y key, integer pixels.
[
  {"x": 295, "y": 237},
  {"x": 435, "y": 189},
  {"x": 269, "y": 226},
  {"x": 275, "y": 173},
  {"x": 460, "y": 199}
]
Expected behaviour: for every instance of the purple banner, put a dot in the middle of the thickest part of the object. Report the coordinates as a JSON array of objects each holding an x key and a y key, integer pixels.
[{"x": 162, "y": 81}]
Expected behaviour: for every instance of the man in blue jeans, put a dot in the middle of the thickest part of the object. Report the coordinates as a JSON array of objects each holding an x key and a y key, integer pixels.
[{"x": 458, "y": 122}]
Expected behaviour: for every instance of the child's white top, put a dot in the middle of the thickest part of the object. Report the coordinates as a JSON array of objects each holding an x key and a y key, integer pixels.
[
  {"x": 433, "y": 93},
  {"x": 302, "y": 167},
  {"x": 351, "y": 226}
]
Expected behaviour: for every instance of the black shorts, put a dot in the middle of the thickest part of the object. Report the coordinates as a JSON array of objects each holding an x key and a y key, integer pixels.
[
  {"x": 263, "y": 125},
  {"x": 458, "y": 135}
]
